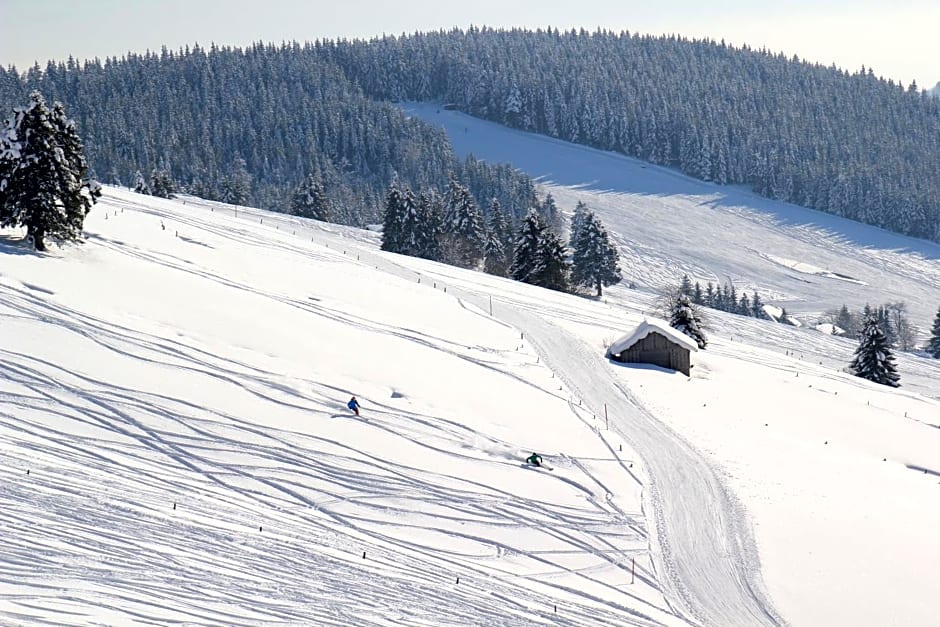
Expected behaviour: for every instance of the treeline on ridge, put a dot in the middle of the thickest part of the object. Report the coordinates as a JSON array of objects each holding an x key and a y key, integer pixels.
[
  {"x": 848, "y": 143},
  {"x": 255, "y": 126}
]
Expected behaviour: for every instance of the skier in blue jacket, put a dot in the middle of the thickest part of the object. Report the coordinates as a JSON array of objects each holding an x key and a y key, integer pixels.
[{"x": 353, "y": 404}]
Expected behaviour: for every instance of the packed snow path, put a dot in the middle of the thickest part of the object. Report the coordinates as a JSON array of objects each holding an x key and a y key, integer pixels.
[{"x": 703, "y": 547}]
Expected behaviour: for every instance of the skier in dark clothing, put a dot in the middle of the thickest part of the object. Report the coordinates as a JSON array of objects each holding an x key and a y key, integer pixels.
[
  {"x": 535, "y": 459},
  {"x": 353, "y": 404}
]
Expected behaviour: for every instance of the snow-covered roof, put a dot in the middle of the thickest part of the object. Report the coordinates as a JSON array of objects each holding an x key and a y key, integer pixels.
[{"x": 651, "y": 326}]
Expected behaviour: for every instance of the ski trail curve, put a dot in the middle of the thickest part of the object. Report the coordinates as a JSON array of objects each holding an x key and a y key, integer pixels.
[{"x": 702, "y": 544}]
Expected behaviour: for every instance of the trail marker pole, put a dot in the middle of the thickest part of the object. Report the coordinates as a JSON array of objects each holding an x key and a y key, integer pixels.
[
  {"x": 491, "y": 304},
  {"x": 633, "y": 571},
  {"x": 606, "y": 421}
]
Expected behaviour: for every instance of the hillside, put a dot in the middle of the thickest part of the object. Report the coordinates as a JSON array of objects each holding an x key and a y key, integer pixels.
[
  {"x": 667, "y": 224},
  {"x": 224, "y": 121},
  {"x": 177, "y": 399}
]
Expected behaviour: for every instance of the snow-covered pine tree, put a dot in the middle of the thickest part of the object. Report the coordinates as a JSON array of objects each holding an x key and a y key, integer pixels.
[
  {"x": 411, "y": 227},
  {"x": 577, "y": 221},
  {"x": 551, "y": 215},
  {"x": 933, "y": 345},
  {"x": 685, "y": 319},
  {"x": 685, "y": 285},
  {"x": 393, "y": 220},
  {"x": 551, "y": 269},
  {"x": 235, "y": 188},
  {"x": 526, "y": 247},
  {"x": 883, "y": 315},
  {"x": 140, "y": 184},
  {"x": 42, "y": 174},
  {"x": 161, "y": 184},
  {"x": 310, "y": 201},
  {"x": 757, "y": 306},
  {"x": 845, "y": 320},
  {"x": 463, "y": 231},
  {"x": 594, "y": 261},
  {"x": 497, "y": 255},
  {"x": 697, "y": 297},
  {"x": 873, "y": 358},
  {"x": 744, "y": 305},
  {"x": 428, "y": 229}
]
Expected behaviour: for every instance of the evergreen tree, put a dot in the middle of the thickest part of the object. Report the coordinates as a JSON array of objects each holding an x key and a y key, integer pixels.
[
  {"x": 140, "y": 184},
  {"x": 757, "y": 306},
  {"x": 498, "y": 255},
  {"x": 933, "y": 346},
  {"x": 845, "y": 321},
  {"x": 551, "y": 269},
  {"x": 526, "y": 247},
  {"x": 161, "y": 184},
  {"x": 744, "y": 305},
  {"x": 42, "y": 174},
  {"x": 686, "y": 319},
  {"x": 551, "y": 214},
  {"x": 577, "y": 221},
  {"x": 685, "y": 286},
  {"x": 463, "y": 231},
  {"x": 428, "y": 227},
  {"x": 873, "y": 358},
  {"x": 710, "y": 295},
  {"x": 236, "y": 187},
  {"x": 697, "y": 297},
  {"x": 883, "y": 316},
  {"x": 594, "y": 260},
  {"x": 393, "y": 221},
  {"x": 411, "y": 226},
  {"x": 310, "y": 201}
]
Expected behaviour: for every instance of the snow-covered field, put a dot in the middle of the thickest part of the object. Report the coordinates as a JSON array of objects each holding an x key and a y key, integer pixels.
[{"x": 175, "y": 446}]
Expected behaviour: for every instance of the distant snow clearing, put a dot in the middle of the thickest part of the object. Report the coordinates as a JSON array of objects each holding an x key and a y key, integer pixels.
[{"x": 807, "y": 268}]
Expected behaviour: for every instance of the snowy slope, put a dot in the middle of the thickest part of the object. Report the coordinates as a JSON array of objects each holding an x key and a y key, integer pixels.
[
  {"x": 176, "y": 386},
  {"x": 668, "y": 224}
]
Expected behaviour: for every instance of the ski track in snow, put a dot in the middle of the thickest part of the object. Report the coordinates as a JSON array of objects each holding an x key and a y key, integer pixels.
[
  {"x": 703, "y": 547},
  {"x": 225, "y": 513},
  {"x": 214, "y": 565}
]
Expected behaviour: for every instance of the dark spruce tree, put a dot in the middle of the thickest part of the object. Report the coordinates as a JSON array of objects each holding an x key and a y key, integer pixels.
[
  {"x": 161, "y": 184},
  {"x": 933, "y": 345},
  {"x": 577, "y": 221},
  {"x": 463, "y": 231},
  {"x": 552, "y": 268},
  {"x": 393, "y": 220},
  {"x": 428, "y": 229},
  {"x": 594, "y": 261},
  {"x": 685, "y": 319},
  {"x": 497, "y": 250},
  {"x": 412, "y": 228},
  {"x": 526, "y": 247},
  {"x": 42, "y": 174},
  {"x": 539, "y": 256},
  {"x": 310, "y": 201},
  {"x": 873, "y": 358},
  {"x": 235, "y": 188}
]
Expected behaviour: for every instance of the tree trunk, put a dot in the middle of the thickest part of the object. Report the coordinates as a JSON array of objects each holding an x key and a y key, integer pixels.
[
  {"x": 598, "y": 288},
  {"x": 38, "y": 236}
]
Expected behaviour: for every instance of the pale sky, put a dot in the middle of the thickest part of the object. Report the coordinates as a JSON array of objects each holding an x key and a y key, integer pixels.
[{"x": 898, "y": 39}]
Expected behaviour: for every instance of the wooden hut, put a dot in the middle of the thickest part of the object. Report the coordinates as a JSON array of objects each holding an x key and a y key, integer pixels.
[{"x": 655, "y": 342}]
